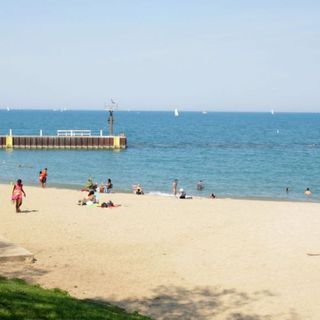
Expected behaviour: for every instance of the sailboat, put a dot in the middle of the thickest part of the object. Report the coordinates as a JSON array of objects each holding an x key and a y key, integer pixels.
[
  {"x": 176, "y": 112},
  {"x": 8, "y": 109},
  {"x": 272, "y": 111}
]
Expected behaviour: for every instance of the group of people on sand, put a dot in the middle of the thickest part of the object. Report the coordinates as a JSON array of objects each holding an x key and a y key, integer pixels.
[
  {"x": 107, "y": 187},
  {"x": 92, "y": 188},
  {"x": 92, "y": 198},
  {"x": 103, "y": 188}
]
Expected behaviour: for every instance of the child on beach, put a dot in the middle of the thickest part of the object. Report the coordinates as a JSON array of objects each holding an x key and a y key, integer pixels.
[
  {"x": 17, "y": 194},
  {"x": 43, "y": 177}
]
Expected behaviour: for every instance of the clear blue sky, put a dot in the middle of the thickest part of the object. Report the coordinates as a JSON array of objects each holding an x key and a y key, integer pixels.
[{"x": 203, "y": 55}]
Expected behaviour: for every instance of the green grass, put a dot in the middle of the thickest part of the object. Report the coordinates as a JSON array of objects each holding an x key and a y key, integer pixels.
[{"x": 21, "y": 300}]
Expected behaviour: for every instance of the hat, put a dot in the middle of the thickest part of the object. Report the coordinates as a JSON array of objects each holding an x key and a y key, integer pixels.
[{"x": 181, "y": 190}]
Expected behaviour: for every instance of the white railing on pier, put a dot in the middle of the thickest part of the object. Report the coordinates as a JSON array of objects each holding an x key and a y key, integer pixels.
[
  {"x": 73, "y": 133},
  {"x": 53, "y": 133}
]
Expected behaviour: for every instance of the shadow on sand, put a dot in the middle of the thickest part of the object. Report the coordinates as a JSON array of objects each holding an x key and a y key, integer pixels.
[
  {"x": 28, "y": 211},
  {"x": 201, "y": 303}
]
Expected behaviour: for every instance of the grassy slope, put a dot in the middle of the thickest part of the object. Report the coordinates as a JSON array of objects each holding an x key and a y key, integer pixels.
[{"x": 20, "y": 300}]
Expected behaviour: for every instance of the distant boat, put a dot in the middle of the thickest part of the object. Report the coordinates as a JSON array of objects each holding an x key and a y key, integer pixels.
[
  {"x": 176, "y": 112},
  {"x": 272, "y": 111},
  {"x": 8, "y": 109},
  {"x": 204, "y": 112}
]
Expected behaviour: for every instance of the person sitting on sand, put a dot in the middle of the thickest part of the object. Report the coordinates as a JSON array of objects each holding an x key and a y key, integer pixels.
[
  {"x": 212, "y": 196},
  {"x": 183, "y": 195},
  {"x": 90, "y": 185},
  {"x": 109, "y": 186},
  {"x": 17, "y": 194},
  {"x": 137, "y": 189},
  {"x": 308, "y": 192},
  {"x": 102, "y": 188},
  {"x": 90, "y": 199}
]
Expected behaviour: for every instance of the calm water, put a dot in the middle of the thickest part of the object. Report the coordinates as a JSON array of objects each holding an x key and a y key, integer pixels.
[{"x": 235, "y": 154}]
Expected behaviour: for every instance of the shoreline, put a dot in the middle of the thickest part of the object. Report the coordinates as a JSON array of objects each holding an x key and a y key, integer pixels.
[{"x": 158, "y": 193}]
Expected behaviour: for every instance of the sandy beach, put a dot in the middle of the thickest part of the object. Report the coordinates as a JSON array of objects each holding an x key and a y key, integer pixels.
[{"x": 170, "y": 258}]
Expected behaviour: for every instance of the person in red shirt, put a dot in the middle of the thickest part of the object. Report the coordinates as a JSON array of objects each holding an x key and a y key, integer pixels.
[{"x": 43, "y": 177}]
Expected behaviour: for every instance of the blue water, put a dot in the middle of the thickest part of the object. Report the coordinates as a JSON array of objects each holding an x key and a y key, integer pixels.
[{"x": 255, "y": 155}]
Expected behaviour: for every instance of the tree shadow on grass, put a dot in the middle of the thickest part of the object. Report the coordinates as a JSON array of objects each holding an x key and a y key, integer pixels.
[
  {"x": 201, "y": 303},
  {"x": 20, "y": 300}
]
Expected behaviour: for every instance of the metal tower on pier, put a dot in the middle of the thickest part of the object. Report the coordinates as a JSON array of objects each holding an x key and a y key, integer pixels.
[{"x": 111, "y": 107}]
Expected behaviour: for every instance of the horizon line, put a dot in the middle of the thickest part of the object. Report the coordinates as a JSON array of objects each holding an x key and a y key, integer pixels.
[{"x": 149, "y": 110}]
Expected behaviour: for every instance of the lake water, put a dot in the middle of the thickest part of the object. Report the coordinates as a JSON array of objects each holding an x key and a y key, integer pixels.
[{"x": 246, "y": 155}]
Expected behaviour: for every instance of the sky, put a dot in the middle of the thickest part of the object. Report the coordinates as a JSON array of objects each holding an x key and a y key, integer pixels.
[{"x": 160, "y": 55}]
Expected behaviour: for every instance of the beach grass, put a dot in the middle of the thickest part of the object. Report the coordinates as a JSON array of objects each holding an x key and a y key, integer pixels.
[{"x": 21, "y": 300}]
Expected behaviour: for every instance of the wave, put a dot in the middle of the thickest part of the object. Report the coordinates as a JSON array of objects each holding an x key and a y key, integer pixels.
[{"x": 159, "y": 193}]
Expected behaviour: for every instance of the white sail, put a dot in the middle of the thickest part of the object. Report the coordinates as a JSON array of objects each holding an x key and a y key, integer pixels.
[
  {"x": 176, "y": 112},
  {"x": 272, "y": 111}
]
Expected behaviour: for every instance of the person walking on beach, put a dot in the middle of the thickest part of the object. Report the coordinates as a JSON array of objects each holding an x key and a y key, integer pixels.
[
  {"x": 174, "y": 186},
  {"x": 17, "y": 194},
  {"x": 43, "y": 177}
]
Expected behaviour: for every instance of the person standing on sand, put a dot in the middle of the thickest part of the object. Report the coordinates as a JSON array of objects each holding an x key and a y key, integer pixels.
[
  {"x": 174, "y": 186},
  {"x": 43, "y": 177},
  {"x": 17, "y": 194}
]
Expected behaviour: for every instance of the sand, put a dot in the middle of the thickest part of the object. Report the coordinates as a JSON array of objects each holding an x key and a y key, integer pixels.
[{"x": 171, "y": 258}]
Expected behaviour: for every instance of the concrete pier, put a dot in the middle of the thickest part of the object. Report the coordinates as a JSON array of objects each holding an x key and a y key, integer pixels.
[{"x": 63, "y": 142}]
